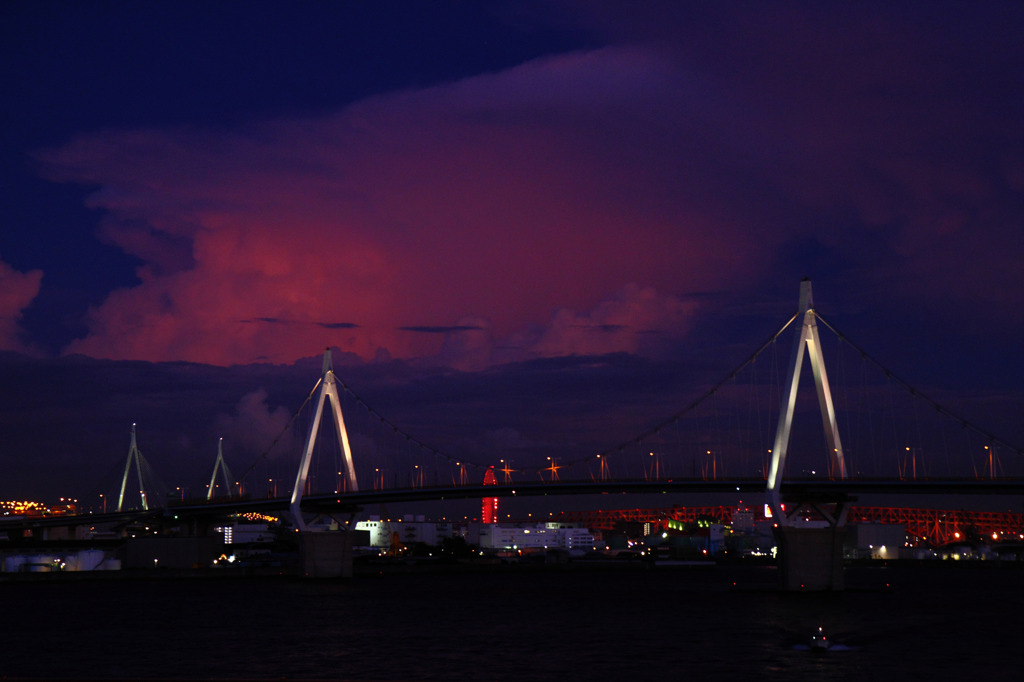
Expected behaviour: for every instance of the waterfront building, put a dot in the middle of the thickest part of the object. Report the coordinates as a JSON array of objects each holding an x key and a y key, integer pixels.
[
  {"x": 530, "y": 536},
  {"x": 415, "y": 530}
]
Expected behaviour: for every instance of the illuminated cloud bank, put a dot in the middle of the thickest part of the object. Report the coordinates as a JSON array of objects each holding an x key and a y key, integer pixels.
[{"x": 570, "y": 205}]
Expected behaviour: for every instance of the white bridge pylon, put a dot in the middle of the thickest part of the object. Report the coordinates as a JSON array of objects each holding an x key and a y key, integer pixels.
[
  {"x": 327, "y": 388},
  {"x": 136, "y": 456},
  {"x": 225, "y": 472},
  {"x": 808, "y": 341}
]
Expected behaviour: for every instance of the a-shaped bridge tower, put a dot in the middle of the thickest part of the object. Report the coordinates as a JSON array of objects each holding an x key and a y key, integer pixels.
[
  {"x": 133, "y": 456},
  {"x": 810, "y": 551},
  {"x": 808, "y": 341},
  {"x": 222, "y": 466},
  {"x": 326, "y": 389}
]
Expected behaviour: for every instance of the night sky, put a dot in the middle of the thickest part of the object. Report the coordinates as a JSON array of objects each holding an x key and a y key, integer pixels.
[{"x": 510, "y": 220}]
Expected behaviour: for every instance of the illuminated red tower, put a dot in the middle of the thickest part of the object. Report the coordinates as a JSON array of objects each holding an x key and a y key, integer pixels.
[{"x": 489, "y": 512}]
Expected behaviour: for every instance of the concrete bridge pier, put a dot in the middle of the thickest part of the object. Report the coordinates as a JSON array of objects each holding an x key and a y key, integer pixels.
[
  {"x": 325, "y": 554},
  {"x": 809, "y": 535},
  {"x": 810, "y": 559}
]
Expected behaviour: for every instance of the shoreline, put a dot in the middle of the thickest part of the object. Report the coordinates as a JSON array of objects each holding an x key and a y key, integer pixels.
[{"x": 378, "y": 569}]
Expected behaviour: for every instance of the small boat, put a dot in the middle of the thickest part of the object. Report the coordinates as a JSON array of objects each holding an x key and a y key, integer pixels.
[{"x": 819, "y": 642}]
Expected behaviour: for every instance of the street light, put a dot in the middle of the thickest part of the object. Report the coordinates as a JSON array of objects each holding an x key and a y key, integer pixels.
[{"x": 912, "y": 455}]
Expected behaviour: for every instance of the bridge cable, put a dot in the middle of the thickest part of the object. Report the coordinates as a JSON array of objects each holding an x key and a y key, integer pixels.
[
  {"x": 967, "y": 425},
  {"x": 707, "y": 394},
  {"x": 273, "y": 444},
  {"x": 658, "y": 428},
  {"x": 409, "y": 438}
]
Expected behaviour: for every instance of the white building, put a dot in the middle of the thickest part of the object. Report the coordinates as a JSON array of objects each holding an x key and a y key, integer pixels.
[
  {"x": 412, "y": 531},
  {"x": 529, "y": 536}
]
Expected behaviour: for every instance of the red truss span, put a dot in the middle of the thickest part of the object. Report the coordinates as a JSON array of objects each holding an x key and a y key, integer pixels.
[{"x": 935, "y": 527}]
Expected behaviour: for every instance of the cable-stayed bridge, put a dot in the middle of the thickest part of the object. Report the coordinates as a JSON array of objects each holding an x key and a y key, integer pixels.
[{"x": 759, "y": 429}]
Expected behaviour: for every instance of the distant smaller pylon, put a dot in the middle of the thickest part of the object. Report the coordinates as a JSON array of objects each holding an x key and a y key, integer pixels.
[
  {"x": 136, "y": 456},
  {"x": 223, "y": 466}
]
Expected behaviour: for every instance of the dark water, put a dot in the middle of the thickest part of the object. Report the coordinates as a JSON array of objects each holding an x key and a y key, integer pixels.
[{"x": 935, "y": 621}]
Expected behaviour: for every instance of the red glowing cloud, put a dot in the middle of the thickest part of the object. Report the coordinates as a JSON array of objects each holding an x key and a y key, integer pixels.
[
  {"x": 568, "y": 205},
  {"x": 485, "y": 198},
  {"x": 17, "y": 290}
]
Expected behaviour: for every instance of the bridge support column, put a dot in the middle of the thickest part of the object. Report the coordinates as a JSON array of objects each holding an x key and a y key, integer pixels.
[
  {"x": 809, "y": 558},
  {"x": 325, "y": 554},
  {"x": 810, "y": 553}
]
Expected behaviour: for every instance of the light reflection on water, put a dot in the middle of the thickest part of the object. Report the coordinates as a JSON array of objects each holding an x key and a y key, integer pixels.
[{"x": 636, "y": 624}]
